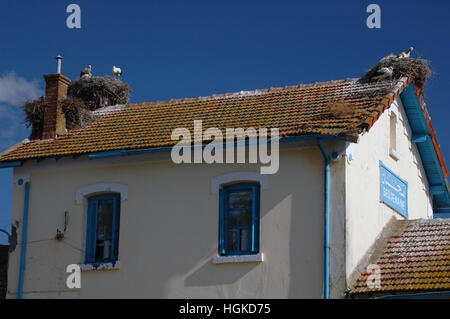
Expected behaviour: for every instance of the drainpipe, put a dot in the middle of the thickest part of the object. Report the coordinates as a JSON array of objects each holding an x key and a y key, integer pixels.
[
  {"x": 327, "y": 221},
  {"x": 24, "y": 241}
]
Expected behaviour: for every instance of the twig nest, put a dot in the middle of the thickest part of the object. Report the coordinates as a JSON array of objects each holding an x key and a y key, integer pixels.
[
  {"x": 419, "y": 69},
  {"x": 91, "y": 89}
]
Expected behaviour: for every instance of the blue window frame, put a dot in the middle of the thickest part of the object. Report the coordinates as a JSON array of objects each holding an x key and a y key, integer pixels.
[
  {"x": 102, "y": 240},
  {"x": 239, "y": 219}
]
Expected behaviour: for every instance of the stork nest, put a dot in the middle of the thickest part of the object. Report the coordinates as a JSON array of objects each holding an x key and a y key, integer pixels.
[
  {"x": 77, "y": 115},
  {"x": 34, "y": 117},
  {"x": 91, "y": 90},
  {"x": 84, "y": 96},
  {"x": 419, "y": 69}
]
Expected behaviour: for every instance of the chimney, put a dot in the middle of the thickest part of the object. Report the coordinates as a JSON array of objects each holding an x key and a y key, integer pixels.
[{"x": 55, "y": 91}]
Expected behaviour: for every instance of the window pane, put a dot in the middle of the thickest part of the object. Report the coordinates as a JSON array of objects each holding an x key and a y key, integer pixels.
[
  {"x": 105, "y": 219},
  {"x": 240, "y": 218},
  {"x": 233, "y": 240},
  {"x": 103, "y": 249},
  {"x": 245, "y": 239},
  {"x": 240, "y": 199}
]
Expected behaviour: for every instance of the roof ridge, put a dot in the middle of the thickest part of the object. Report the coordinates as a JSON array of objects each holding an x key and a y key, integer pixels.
[{"x": 255, "y": 92}]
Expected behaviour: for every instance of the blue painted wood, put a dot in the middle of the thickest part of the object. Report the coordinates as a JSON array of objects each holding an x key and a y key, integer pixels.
[
  {"x": 118, "y": 153},
  {"x": 256, "y": 213},
  {"x": 91, "y": 234},
  {"x": 430, "y": 160},
  {"x": 24, "y": 241},
  {"x": 420, "y": 138},
  {"x": 91, "y": 237},
  {"x": 225, "y": 228},
  {"x": 222, "y": 248},
  {"x": 116, "y": 229},
  {"x": 10, "y": 164}
]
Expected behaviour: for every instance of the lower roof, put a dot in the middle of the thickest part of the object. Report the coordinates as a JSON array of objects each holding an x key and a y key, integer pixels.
[{"x": 415, "y": 259}]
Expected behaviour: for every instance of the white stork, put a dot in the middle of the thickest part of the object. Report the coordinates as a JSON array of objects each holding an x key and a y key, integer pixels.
[
  {"x": 117, "y": 72},
  {"x": 406, "y": 54},
  {"x": 86, "y": 72},
  {"x": 383, "y": 73}
]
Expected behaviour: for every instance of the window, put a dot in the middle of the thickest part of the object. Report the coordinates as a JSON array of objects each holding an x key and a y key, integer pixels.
[
  {"x": 239, "y": 219},
  {"x": 102, "y": 240},
  {"x": 393, "y": 136}
]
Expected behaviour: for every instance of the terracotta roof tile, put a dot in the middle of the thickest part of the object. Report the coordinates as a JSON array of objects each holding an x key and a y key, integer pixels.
[
  {"x": 330, "y": 108},
  {"x": 417, "y": 259}
]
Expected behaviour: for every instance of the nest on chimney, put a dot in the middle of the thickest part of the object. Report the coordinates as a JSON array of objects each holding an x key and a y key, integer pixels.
[
  {"x": 77, "y": 115},
  {"x": 419, "y": 69},
  {"x": 99, "y": 88},
  {"x": 34, "y": 117}
]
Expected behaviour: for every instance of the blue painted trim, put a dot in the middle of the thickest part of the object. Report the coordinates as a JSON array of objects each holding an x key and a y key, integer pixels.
[
  {"x": 23, "y": 250},
  {"x": 422, "y": 137},
  {"x": 118, "y": 153},
  {"x": 436, "y": 190},
  {"x": 91, "y": 233},
  {"x": 253, "y": 243},
  {"x": 327, "y": 221},
  {"x": 11, "y": 164},
  {"x": 222, "y": 248},
  {"x": 169, "y": 149},
  {"x": 129, "y": 152}
]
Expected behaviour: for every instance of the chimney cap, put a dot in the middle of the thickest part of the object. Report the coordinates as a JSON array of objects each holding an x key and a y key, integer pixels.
[{"x": 58, "y": 64}]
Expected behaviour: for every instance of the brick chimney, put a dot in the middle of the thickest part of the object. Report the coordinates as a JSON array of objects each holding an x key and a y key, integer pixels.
[{"x": 55, "y": 91}]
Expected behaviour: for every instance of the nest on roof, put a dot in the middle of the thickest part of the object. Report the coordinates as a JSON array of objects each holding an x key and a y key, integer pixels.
[
  {"x": 34, "y": 117},
  {"x": 419, "y": 69},
  {"x": 84, "y": 96},
  {"x": 77, "y": 115},
  {"x": 99, "y": 90}
]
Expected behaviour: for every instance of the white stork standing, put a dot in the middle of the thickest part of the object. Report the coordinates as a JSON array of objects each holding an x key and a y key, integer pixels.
[
  {"x": 117, "y": 72},
  {"x": 406, "y": 54},
  {"x": 86, "y": 72},
  {"x": 383, "y": 73}
]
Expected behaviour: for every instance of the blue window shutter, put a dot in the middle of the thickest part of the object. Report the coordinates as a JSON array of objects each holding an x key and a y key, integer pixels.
[
  {"x": 255, "y": 218},
  {"x": 222, "y": 230},
  {"x": 116, "y": 227},
  {"x": 91, "y": 230}
]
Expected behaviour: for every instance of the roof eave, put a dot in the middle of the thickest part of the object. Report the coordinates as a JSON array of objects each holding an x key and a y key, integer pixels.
[{"x": 425, "y": 139}]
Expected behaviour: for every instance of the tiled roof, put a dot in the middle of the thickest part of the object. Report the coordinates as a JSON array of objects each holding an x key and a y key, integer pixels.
[
  {"x": 337, "y": 108},
  {"x": 416, "y": 259}
]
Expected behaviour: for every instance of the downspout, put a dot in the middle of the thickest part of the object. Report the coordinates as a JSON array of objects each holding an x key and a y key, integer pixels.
[
  {"x": 327, "y": 221},
  {"x": 24, "y": 241}
]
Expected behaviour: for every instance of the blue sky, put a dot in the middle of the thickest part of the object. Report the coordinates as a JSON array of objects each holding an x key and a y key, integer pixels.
[{"x": 175, "y": 49}]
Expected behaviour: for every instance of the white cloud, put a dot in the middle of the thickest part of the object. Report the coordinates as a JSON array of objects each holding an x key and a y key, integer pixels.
[
  {"x": 15, "y": 90},
  {"x": 12, "y": 128}
]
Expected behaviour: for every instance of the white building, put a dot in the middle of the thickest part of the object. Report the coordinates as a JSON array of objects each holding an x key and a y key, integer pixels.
[{"x": 353, "y": 159}]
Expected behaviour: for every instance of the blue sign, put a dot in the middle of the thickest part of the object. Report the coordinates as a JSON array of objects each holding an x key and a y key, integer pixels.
[{"x": 394, "y": 190}]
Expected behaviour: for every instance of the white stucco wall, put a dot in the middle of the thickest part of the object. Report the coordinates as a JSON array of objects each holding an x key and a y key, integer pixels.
[
  {"x": 169, "y": 230},
  {"x": 365, "y": 214}
]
